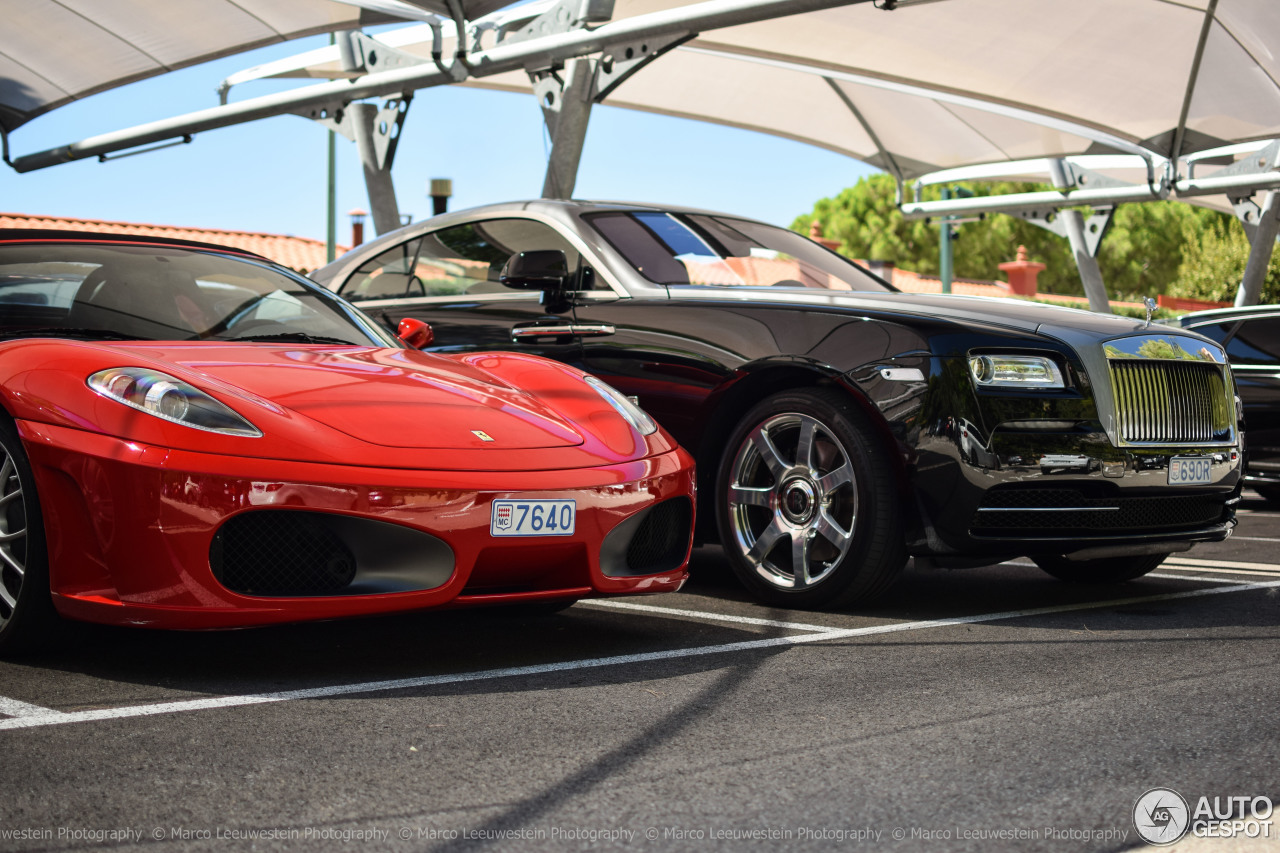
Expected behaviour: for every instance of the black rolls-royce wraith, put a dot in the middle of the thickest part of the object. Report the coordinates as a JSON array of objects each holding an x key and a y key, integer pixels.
[{"x": 840, "y": 426}]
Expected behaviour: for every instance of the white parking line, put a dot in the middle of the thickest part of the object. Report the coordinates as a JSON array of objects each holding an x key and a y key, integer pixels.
[
  {"x": 1201, "y": 578},
  {"x": 705, "y": 615},
  {"x": 1211, "y": 565},
  {"x": 14, "y": 708},
  {"x": 59, "y": 718}
]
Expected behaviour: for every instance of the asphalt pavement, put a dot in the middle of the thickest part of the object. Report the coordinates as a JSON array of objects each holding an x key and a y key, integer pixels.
[{"x": 985, "y": 709}]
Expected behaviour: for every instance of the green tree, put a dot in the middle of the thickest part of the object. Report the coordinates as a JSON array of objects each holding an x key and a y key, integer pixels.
[{"x": 1214, "y": 261}]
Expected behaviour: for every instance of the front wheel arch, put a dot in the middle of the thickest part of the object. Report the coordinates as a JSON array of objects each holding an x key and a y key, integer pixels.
[
  {"x": 806, "y": 502},
  {"x": 726, "y": 409},
  {"x": 27, "y": 615}
]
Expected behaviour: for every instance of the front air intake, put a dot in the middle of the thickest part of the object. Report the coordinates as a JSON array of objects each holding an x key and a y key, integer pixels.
[
  {"x": 286, "y": 553},
  {"x": 655, "y": 540},
  {"x": 281, "y": 553}
]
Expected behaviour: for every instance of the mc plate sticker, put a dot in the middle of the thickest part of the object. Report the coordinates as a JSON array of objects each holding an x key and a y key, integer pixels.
[
  {"x": 533, "y": 518},
  {"x": 1189, "y": 471}
]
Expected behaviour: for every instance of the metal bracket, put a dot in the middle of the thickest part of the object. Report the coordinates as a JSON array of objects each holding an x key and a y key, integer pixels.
[
  {"x": 1260, "y": 162},
  {"x": 372, "y": 55},
  {"x": 1079, "y": 178},
  {"x": 1249, "y": 213},
  {"x": 548, "y": 89},
  {"x": 1258, "y": 170},
  {"x": 620, "y": 61},
  {"x": 565, "y": 16},
  {"x": 387, "y": 125},
  {"x": 1095, "y": 227},
  {"x": 332, "y": 115}
]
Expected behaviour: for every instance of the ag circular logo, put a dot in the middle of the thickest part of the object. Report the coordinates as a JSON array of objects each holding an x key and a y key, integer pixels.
[{"x": 1161, "y": 816}]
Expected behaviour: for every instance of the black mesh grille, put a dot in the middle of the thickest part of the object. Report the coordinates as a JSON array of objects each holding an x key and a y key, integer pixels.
[
  {"x": 1015, "y": 513},
  {"x": 660, "y": 543},
  {"x": 279, "y": 552}
]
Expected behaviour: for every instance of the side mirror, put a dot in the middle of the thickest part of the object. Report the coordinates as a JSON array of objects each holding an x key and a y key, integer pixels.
[
  {"x": 415, "y": 333},
  {"x": 540, "y": 269}
]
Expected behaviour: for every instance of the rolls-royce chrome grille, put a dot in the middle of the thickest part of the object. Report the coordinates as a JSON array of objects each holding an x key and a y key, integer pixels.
[{"x": 1170, "y": 402}]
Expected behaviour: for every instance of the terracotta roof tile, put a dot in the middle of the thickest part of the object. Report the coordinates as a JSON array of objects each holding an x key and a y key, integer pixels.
[{"x": 298, "y": 253}]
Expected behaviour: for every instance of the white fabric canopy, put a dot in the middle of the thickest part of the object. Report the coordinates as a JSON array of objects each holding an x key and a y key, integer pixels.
[
  {"x": 55, "y": 51},
  {"x": 959, "y": 82},
  {"x": 923, "y": 87}
]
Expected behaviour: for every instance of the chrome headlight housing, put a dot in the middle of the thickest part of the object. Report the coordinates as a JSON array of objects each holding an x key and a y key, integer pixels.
[
  {"x": 170, "y": 399},
  {"x": 630, "y": 412},
  {"x": 1015, "y": 371}
]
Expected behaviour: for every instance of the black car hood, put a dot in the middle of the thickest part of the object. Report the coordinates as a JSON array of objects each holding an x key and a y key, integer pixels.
[{"x": 1017, "y": 314}]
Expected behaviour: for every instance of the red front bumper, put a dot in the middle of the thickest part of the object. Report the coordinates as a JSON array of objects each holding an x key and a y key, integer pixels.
[{"x": 130, "y": 528}]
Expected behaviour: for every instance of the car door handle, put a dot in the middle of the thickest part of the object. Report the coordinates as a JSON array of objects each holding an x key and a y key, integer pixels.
[{"x": 586, "y": 330}]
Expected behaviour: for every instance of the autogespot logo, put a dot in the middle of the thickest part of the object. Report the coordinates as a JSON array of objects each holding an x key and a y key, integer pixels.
[{"x": 1161, "y": 816}]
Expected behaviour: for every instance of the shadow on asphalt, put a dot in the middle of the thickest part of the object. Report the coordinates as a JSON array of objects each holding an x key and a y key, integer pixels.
[{"x": 298, "y": 656}]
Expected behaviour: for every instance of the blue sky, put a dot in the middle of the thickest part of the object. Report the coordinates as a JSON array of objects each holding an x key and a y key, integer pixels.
[{"x": 270, "y": 175}]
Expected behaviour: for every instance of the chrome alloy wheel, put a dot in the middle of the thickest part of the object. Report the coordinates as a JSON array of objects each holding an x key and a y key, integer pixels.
[
  {"x": 13, "y": 536},
  {"x": 793, "y": 501}
]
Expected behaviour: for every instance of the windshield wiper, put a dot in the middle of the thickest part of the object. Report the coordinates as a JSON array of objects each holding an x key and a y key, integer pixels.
[
  {"x": 63, "y": 332},
  {"x": 292, "y": 337}
]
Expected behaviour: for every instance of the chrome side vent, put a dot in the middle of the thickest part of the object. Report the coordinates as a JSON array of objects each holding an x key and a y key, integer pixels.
[{"x": 1171, "y": 402}]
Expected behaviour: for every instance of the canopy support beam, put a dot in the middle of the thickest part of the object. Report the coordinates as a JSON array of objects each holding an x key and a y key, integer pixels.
[
  {"x": 890, "y": 164},
  {"x": 566, "y": 102},
  {"x": 566, "y": 108},
  {"x": 1086, "y": 261},
  {"x": 376, "y": 133},
  {"x": 1264, "y": 243}
]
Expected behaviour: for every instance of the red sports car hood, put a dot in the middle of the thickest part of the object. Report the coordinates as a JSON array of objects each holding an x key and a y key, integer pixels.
[{"x": 393, "y": 398}]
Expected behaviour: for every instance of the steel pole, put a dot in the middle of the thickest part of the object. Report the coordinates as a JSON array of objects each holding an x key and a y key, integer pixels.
[
  {"x": 1086, "y": 263},
  {"x": 568, "y": 127},
  {"x": 1264, "y": 243},
  {"x": 945, "y": 259}
]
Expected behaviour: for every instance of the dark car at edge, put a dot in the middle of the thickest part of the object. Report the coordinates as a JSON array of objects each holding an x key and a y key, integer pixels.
[
  {"x": 1251, "y": 338},
  {"x": 840, "y": 426}
]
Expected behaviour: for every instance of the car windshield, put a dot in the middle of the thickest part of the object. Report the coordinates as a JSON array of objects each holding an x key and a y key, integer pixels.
[
  {"x": 706, "y": 250},
  {"x": 98, "y": 291}
]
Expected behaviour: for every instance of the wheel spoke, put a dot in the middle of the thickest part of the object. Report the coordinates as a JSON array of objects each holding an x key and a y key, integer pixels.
[
  {"x": 833, "y": 480},
  {"x": 804, "y": 447},
  {"x": 828, "y": 528},
  {"x": 7, "y": 598},
  {"x": 750, "y": 495},
  {"x": 6, "y": 470},
  {"x": 765, "y": 541},
  {"x": 800, "y": 558},
  {"x": 769, "y": 454}
]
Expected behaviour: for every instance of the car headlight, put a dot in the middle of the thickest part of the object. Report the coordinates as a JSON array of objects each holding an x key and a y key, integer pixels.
[
  {"x": 1015, "y": 371},
  {"x": 630, "y": 412},
  {"x": 170, "y": 399}
]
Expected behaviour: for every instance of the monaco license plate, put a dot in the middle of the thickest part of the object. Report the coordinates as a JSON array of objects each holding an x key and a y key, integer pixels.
[
  {"x": 1189, "y": 471},
  {"x": 532, "y": 518}
]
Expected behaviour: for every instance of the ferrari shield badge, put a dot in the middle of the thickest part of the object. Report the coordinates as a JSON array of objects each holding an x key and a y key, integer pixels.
[{"x": 481, "y": 434}]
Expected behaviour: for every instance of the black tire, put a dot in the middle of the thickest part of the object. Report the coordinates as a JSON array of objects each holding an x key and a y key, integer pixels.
[
  {"x": 27, "y": 617},
  {"x": 1100, "y": 571},
  {"x": 836, "y": 513},
  {"x": 1269, "y": 491}
]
